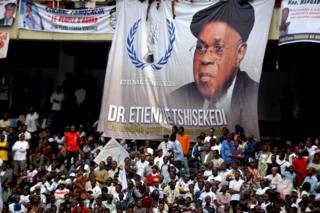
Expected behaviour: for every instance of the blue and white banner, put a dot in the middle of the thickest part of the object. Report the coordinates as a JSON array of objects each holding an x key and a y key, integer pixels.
[
  {"x": 299, "y": 21},
  {"x": 37, "y": 17},
  {"x": 200, "y": 69}
]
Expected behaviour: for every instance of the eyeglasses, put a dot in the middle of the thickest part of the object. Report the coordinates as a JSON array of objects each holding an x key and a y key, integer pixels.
[{"x": 218, "y": 48}]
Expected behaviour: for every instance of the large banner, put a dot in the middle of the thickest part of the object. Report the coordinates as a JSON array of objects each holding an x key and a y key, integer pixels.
[
  {"x": 7, "y": 12},
  {"x": 4, "y": 44},
  {"x": 199, "y": 70},
  {"x": 300, "y": 21},
  {"x": 37, "y": 17}
]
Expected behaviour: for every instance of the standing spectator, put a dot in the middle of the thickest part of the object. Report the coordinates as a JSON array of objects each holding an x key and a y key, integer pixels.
[
  {"x": 164, "y": 145},
  {"x": 210, "y": 136},
  {"x": 234, "y": 190},
  {"x": 32, "y": 120},
  {"x": 32, "y": 127},
  {"x": 177, "y": 151},
  {"x": 196, "y": 154},
  {"x": 56, "y": 100},
  {"x": 300, "y": 168},
  {"x": 236, "y": 151},
  {"x": 185, "y": 144},
  {"x": 226, "y": 148},
  {"x": 4, "y": 122},
  {"x": 20, "y": 155},
  {"x": 264, "y": 157},
  {"x": 3, "y": 149},
  {"x": 71, "y": 138}
]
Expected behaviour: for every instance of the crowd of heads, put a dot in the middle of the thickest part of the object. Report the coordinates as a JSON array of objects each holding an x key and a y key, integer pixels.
[{"x": 45, "y": 171}]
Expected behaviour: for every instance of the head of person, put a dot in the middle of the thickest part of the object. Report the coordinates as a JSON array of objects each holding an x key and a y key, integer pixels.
[
  {"x": 166, "y": 137},
  {"x": 174, "y": 130},
  {"x": 172, "y": 137},
  {"x": 181, "y": 130},
  {"x": 285, "y": 15},
  {"x": 10, "y": 8},
  {"x": 59, "y": 89},
  {"x": 72, "y": 128},
  {"x": 221, "y": 45}
]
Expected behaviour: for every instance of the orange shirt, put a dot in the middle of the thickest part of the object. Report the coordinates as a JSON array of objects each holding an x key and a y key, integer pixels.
[{"x": 185, "y": 143}]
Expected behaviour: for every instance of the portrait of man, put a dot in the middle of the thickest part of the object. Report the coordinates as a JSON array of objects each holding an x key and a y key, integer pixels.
[
  {"x": 222, "y": 31},
  {"x": 113, "y": 18},
  {"x": 283, "y": 28},
  {"x": 9, "y": 13},
  {"x": 32, "y": 19}
]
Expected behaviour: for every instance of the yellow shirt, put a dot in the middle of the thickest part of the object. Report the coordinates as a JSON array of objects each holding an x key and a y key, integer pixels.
[{"x": 3, "y": 153}]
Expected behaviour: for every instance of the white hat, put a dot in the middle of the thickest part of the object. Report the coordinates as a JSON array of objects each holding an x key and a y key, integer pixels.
[
  {"x": 51, "y": 140},
  {"x": 72, "y": 174}
]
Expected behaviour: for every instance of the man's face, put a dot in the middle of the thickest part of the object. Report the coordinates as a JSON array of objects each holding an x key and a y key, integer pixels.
[
  {"x": 217, "y": 58},
  {"x": 9, "y": 12}
]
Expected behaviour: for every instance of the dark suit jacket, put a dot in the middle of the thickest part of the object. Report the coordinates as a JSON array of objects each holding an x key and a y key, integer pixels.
[
  {"x": 244, "y": 102},
  {"x": 2, "y": 22}
]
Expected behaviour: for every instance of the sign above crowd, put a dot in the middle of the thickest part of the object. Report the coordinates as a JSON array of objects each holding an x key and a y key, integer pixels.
[
  {"x": 7, "y": 12},
  {"x": 4, "y": 44},
  {"x": 197, "y": 68},
  {"x": 300, "y": 21},
  {"x": 38, "y": 17}
]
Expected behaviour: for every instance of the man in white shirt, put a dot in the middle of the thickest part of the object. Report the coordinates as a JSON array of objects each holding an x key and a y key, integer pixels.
[
  {"x": 32, "y": 120},
  {"x": 209, "y": 137},
  {"x": 310, "y": 147},
  {"x": 17, "y": 207},
  {"x": 24, "y": 131},
  {"x": 159, "y": 159},
  {"x": 234, "y": 190},
  {"x": 141, "y": 165},
  {"x": 208, "y": 192},
  {"x": 165, "y": 146},
  {"x": 56, "y": 99},
  {"x": 20, "y": 148},
  {"x": 44, "y": 185}
]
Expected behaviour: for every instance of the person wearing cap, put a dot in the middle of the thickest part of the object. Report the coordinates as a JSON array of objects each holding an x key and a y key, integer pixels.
[
  {"x": 8, "y": 16},
  {"x": 222, "y": 31}
]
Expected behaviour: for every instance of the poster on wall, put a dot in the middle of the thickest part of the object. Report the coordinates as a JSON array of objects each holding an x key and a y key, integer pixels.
[
  {"x": 4, "y": 44},
  {"x": 7, "y": 12},
  {"x": 299, "y": 21},
  {"x": 38, "y": 17},
  {"x": 200, "y": 69}
]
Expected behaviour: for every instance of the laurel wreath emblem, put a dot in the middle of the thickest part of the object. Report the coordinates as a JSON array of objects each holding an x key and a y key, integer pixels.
[{"x": 133, "y": 54}]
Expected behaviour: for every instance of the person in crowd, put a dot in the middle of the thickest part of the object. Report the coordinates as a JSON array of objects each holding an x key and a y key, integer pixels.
[
  {"x": 184, "y": 141},
  {"x": 226, "y": 148},
  {"x": 72, "y": 144}
]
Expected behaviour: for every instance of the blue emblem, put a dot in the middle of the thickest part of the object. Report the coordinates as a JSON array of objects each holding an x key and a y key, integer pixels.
[{"x": 133, "y": 54}]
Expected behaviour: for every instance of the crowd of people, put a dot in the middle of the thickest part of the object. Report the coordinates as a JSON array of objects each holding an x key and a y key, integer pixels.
[{"x": 45, "y": 171}]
